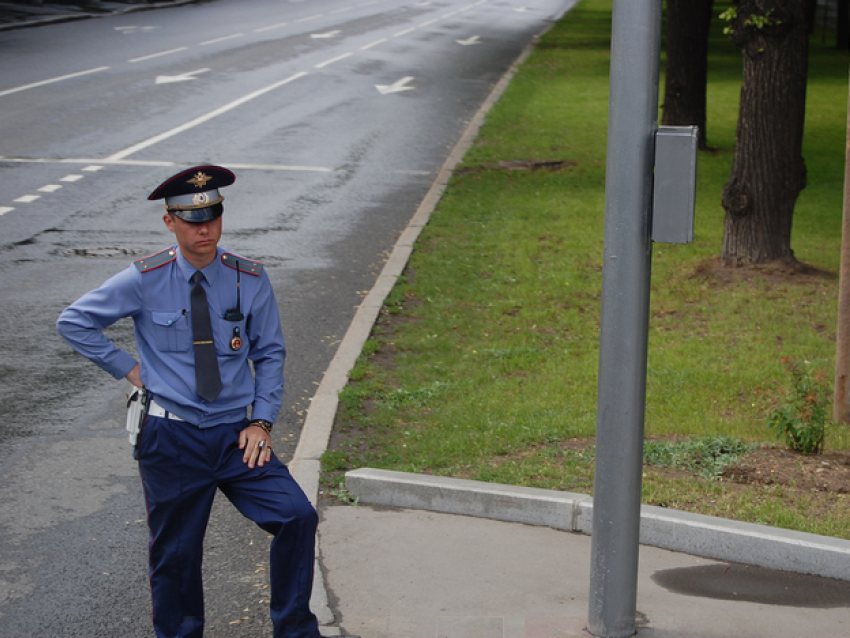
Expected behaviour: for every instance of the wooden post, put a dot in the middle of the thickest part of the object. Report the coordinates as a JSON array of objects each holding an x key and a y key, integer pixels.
[{"x": 841, "y": 409}]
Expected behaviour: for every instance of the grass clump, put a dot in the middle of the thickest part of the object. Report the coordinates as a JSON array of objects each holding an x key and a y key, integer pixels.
[{"x": 706, "y": 457}]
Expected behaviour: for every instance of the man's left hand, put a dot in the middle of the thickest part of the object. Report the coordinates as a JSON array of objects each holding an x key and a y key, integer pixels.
[{"x": 257, "y": 445}]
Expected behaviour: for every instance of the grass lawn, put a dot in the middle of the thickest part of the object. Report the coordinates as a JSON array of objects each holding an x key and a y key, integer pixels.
[{"x": 483, "y": 364}]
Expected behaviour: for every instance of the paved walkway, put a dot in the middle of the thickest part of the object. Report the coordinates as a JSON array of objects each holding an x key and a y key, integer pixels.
[{"x": 396, "y": 573}]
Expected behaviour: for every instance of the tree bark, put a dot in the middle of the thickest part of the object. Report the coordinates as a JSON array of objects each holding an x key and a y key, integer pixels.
[
  {"x": 768, "y": 169},
  {"x": 686, "y": 77}
]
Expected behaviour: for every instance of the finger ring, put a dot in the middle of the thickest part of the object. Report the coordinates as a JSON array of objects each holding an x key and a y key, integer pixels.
[{"x": 261, "y": 445}]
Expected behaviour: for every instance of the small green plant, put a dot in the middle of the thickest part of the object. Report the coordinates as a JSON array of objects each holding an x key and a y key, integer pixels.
[
  {"x": 799, "y": 412},
  {"x": 343, "y": 495},
  {"x": 707, "y": 456}
]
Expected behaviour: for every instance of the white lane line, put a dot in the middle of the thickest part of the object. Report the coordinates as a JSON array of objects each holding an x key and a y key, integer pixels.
[
  {"x": 405, "y": 32},
  {"x": 449, "y": 14},
  {"x": 204, "y": 118},
  {"x": 429, "y": 22},
  {"x": 343, "y": 10},
  {"x": 310, "y": 18},
  {"x": 270, "y": 27},
  {"x": 467, "y": 7},
  {"x": 50, "y": 188},
  {"x": 6, "y": 209},
  {"x": 27, "y": 199},
  {"x": 71, "y": 178},
  {"x": 156, "y": 55},
  {"x": 217, "y": 40},
  {"x": 93, "y": 169},
  {"x": 373, "y": 44},
  {"x": 52, "y": 80},
  {"x": 164, "y": 164},
  {"x": 280, "y": 167},
  {"x": 322, "y": 65}
]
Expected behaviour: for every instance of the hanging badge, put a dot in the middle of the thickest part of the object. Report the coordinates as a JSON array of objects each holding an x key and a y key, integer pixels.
[{"x": 236, "y": 341}]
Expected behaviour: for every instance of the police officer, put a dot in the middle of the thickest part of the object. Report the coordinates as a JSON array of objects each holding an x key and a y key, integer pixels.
[{"x": 204, "y": 317}]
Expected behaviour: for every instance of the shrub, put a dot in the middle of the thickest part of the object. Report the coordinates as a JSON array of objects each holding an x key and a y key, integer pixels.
[{"x": 799, "y": 412}]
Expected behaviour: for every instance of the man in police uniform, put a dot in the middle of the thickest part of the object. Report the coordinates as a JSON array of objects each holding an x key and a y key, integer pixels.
[{"x": 201, "y": 315}]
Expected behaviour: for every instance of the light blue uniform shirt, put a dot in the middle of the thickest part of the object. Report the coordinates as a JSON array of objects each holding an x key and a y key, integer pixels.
[{"x": 158, "y": 300}]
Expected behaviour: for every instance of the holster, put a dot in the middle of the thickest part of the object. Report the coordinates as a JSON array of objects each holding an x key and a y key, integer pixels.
[{"x": 137, "y": 409}]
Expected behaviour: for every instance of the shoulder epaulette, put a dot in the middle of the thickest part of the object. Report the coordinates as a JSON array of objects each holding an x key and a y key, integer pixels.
[
  {"x": 244, "y": 265},
  {"x": 152, "y": 262}
]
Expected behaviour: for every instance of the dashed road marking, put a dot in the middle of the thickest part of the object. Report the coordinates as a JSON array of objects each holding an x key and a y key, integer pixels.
[
  {"x": 52, "y": 80},
  {"x": 322, "y": 65},
  {"x": 157, "y": 55}
]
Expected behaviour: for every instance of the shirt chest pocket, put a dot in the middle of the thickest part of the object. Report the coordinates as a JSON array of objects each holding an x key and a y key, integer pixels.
[
  {"x": 171, "y": 331},
  {"x": 230, "y": 339}
]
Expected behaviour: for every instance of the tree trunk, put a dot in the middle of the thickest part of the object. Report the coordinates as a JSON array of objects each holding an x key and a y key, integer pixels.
[
  {"x": 688, "y": 23},
  {"x": 842, "y": 36},
  {"x": 768, "y": 170}
]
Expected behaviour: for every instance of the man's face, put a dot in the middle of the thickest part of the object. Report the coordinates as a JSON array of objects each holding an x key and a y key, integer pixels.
[{"x": 197, "y": 241}]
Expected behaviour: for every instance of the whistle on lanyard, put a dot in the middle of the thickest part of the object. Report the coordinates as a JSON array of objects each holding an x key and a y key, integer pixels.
[{"x": 235, "y": 314}]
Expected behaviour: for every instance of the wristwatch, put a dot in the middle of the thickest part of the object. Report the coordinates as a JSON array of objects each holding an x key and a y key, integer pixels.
[{"x": 262, "y": 423}]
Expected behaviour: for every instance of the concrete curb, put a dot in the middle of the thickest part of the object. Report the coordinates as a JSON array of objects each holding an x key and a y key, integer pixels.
[
  {"x": 71, "y": 17},
  {"x": 694, "y": 534}
]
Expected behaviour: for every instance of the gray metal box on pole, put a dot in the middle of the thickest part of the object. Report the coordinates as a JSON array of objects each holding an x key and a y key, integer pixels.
[{"x": 675, "y": 184}]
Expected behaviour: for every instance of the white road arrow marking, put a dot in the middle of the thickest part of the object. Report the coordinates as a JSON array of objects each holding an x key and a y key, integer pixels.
[
  {"x": 395, "y": 87},
  {"x": 184, "y": 77},
  {"x": 329, "y": 34},
  {"x": 469, "y": 41}
]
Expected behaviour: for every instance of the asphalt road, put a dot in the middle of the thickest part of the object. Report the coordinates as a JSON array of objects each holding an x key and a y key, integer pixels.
[{"x": 335, "y": 116}]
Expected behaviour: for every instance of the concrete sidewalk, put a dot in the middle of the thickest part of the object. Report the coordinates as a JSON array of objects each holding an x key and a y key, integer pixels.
[
  {"x": 394, "y": 573},
  {"x": 449, "y": 568}
]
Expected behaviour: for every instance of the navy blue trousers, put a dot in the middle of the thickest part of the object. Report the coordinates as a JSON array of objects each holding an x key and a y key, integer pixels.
[{"x": 181, "y": 467}]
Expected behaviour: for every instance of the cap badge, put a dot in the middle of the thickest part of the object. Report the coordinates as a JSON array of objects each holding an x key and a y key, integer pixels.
[
  {"x": 200, "y": 198},
  {"x": 199, "y": 179}
]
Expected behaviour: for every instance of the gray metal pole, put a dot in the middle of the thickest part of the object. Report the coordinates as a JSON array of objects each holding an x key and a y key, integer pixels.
[{"x": 632, "y": 122}]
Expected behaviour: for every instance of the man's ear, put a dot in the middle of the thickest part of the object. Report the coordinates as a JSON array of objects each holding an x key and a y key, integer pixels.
[{"x": 169, "y": 222}]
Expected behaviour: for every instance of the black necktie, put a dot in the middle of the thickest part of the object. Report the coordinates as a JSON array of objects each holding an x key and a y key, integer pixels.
[{"x": 207, "y": 376}]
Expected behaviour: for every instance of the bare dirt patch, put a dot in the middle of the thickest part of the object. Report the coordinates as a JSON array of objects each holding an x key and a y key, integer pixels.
[
  {"x": 776, "y": 272},
  {"x": 827, "y": 472}
]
